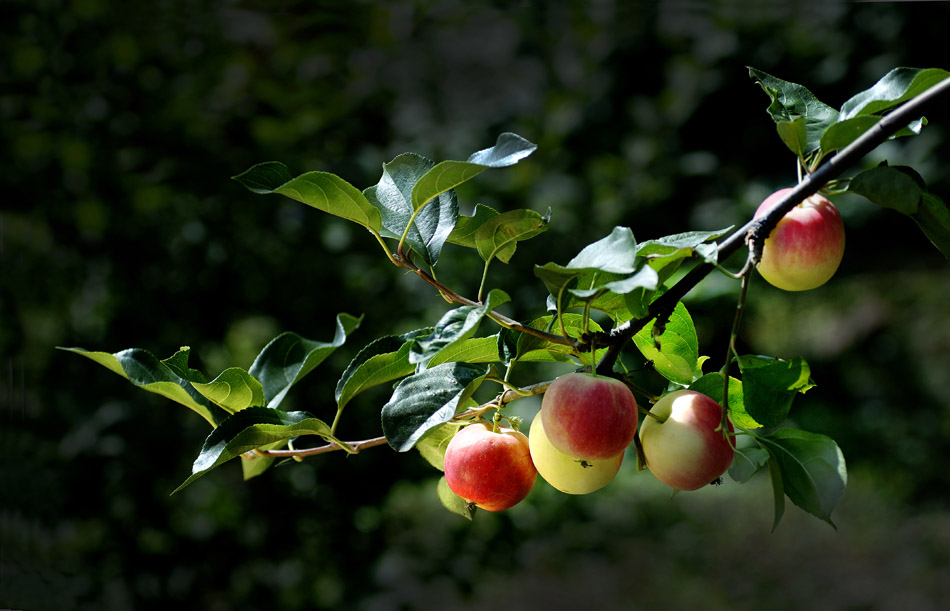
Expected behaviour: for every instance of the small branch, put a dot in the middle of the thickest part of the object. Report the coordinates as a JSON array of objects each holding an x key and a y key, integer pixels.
[
  {"x": 354, "y": 448},
  {"x": 752, "y": 231}
]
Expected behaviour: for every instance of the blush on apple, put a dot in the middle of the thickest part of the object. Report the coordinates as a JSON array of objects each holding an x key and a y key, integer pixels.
[
  {"x": 491, "y": 469},
  {"x": 681, "y": 443},
  {"x": 589, "y": 416},
  {"x": 806, "y": 246}
]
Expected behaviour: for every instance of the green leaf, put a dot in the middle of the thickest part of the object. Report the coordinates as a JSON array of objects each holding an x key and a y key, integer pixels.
[
  {"x": 426, "y": 230},
  {"x": 933, "y": 217},
  {"x": 454, "y": 327},
  {"x": 896, "y": 87},
  {"x": 170, "y": 378},
  {"x": 614, "y": 254},
  {"x": 841, "y": 134},
  {"x": 233, "y": 389},
  {"x": 536, "y": 349},
  {"x": 427, "y": 399},
  {"x": 454, "y": 502},
  {"x": 769, "y": 385},
  {"x": 791, "y": 102},
  {"x": 778, "y": 491},
  {"x": 382, "y": 360},
  {"x": 794, "y": 134},
  {"x": 675, "y": 351},
  {"x": 711, "y": 385},
  {"x": 287, "y": 358},
  {"x": 250, "y": 429},
  {"x": 814, "y": 475},
  {"x": 471, "y": 350},
  {"x": 747, "y": 463},
  {"x": 509, "y": 149},
  {"x": 895, "y": 187},
  {"x": 432, "y": 445},
  {"x": 322, "y": 190},
  {"x": 255, "y": 466},
  {"x": 467, "y": 226},
  {"x": 498, "y": 237}
]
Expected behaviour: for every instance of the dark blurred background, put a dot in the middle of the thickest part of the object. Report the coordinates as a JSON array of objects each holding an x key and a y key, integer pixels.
[{"x": 121, "y": 125}]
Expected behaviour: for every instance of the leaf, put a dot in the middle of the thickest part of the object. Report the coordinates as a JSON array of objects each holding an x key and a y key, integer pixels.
[
  {"x": 675, "y": 353},
  {"x": 896, "y": 87},
  {"x": 841, "y": 134},
  {"x": 498, "y": 237},
  {"x": 455, "y": 326},
  {"x": 467, "y": 226},
  {"x": 250, "y": 429},
  {"x": 322, "y": 190},
  {"x": 711, "y": 385},
  {"x": 747, "y": 463},
  {"x": 794, "y": 134},
  {"x": 509, "y": 149},
  {"x": 933, "y": 217},
  {"x": 471, "y": 350},
  {"x": 537, "y": 349},
  {"x": 233, "y": 389},
  {"x": 893, "y": 187},
  {"x": 426, "y": 230},
  {"x": 253, "y": 467},
  {"x": 814, "y": 475},
  {"x": 454, "y": 502},
  {"x": 614, "y": 254},
  {"x": 778, "y": 491},
  {"x": 770, "y": 384},
  {"x": 382, "y": 360},
  {"x": 170, "y": 378},
  {"x": 432, "y": 445},
  {"x": 790, "y": 102},
  {"x": 287, "y": 358},
  {"x": 427, "y": 399}
]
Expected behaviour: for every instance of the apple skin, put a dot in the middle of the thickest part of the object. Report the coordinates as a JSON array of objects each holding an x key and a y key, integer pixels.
[
  {"x": 807, "y": 245},
  {"x": 589, "y": 416},
  {"x": 566, "y": 473},
  {"x": 683, "y": 449},
  {"x": 492, "y": 470}
]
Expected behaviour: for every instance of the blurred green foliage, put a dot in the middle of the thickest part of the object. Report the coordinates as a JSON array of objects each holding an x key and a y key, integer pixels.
[{"x": 120, "y": 227}]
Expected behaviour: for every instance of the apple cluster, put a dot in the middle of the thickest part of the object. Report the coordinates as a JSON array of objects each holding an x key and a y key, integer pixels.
[{"x": 578, "y": 440}]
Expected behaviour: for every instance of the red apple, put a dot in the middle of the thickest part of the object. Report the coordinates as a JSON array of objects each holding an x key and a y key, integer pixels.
[
  {"x": 681, "y": 445},
  {"x": 589, "y": 416},
  {"x": 493, "y": 470},
  {"x": 806, "y": 247},
  {"x": 566, "y": 473}
]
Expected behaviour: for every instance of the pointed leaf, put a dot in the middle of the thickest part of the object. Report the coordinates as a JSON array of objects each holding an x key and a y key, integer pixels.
[
  {"x": 791, "y": 101},
  {"x": 675, "y": 351},
  {"x": 498, "y": 237},
  {"x": 170, "y": 378},
  {"x": 813, "y": 469},
  {"x": 537, "y": 349},
  {"x": 896, "y": 87},
  {"x": 933, "y": 217},
  {"x": 455, "y": 326},
  {"x": 770, "y": 384},
  {"x": 427, "y": 229},
  {"x": 509, "y": 149},
  {"x": 253, "y": 467},
  {"x": 250, "y": 429},
  {"x": 778, "y": 490},
  {"x": 614, "y": 254},
  {"x": 233, "y": 389},
  {"x": 794, "y": 134},
  {"x": 454, "y": 502},
  {"x": 382, "y": 360},
  {"x": 322, "y": 190},
  {"x": 467, "y": 226},
  {"x": 893, "y": 187},
  {"x": 287, "y": 358},
  {"x": 427, "y": 399},
  {"x": 471, "y": 350}
]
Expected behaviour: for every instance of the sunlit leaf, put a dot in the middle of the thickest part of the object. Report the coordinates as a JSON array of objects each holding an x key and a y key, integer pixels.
[
  {"x": 791, "y": 102},
  {"x": 498, "y": 237},
  {"x": 675, "y": 351},
  {"x": 896, "y": 87},
  {"x": 287, "y": 358},
  {"x": 171, "y": 378},
  {"x": 322, "y": 190},
  {"x": 249, "y": 429},
  {"x": 711, "y": 385},
  {"x": 454, "y": 502},
  {"x": 454, "y": 327},
  {"x": 233, "y": 389},
  {"x": 769, "y": 385},
  {"x": 382, "y": 360}
]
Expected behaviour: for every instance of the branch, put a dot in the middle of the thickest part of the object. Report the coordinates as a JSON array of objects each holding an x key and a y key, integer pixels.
[{"x": 755, "y": 229}]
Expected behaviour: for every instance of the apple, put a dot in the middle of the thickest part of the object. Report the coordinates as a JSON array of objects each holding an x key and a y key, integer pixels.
[
  {"x": 492, "y": 470},
  {"x": 589, "y": 416},
  {"x": 806, "y": 246},
  {"x": 566, "y": 473},
  {"x": 680, "y": 442}
]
